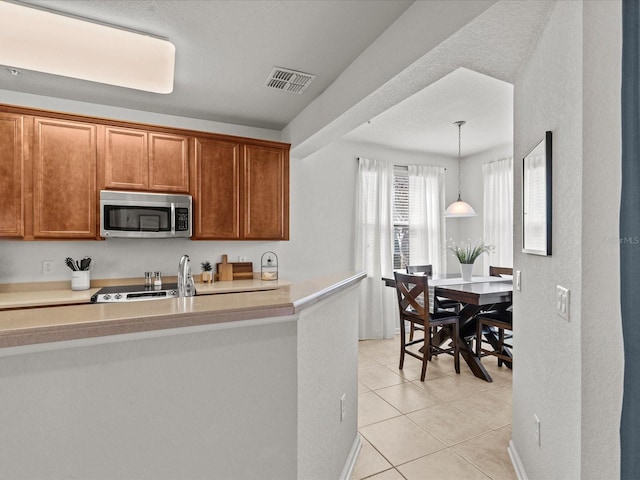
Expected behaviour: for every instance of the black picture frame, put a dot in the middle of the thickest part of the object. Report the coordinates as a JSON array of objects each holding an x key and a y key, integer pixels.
[{"x": 537, "y": 198}]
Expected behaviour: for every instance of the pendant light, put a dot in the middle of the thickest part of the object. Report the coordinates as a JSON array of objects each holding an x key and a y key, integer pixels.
[{"x": 459, "y": 208}]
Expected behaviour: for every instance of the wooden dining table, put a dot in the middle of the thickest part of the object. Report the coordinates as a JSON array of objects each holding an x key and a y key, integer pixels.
[{"x": 481, "y": 293}]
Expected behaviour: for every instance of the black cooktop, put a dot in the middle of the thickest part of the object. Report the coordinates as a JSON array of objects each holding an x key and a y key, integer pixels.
[{"x": 127, "y": 293}]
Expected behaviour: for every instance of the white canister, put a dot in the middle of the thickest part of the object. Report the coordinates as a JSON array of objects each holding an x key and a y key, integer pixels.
[{"x": 80, "y": 280}]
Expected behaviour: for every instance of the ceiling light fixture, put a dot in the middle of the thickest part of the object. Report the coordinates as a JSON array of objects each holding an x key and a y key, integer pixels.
[
  {"x": 48, "y": 42},
  {"x": 459, "y": 208}
]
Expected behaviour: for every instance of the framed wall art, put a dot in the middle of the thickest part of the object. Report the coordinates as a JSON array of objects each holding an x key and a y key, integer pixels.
[{"x": 536, "y": 198}]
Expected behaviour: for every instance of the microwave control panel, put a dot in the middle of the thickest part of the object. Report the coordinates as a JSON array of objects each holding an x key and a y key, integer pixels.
[{"x": 182, "y": 219}]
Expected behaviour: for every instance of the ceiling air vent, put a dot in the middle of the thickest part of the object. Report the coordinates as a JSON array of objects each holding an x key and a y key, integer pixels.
[{"x": 289, "y": 80}]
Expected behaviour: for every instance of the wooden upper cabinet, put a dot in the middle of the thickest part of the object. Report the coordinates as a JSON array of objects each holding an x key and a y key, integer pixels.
[
  {"x": 241, "y": 191},
  {"x": 64, "y": 179},
  {"x": 266, "y": 193},
  {"x": 168, "y": 162},
  {"x": 53, "y": 166},
  {"x": 11, "y": 175},
  {"x": 142, "y": 160},
  {"x": 217, "y": 189},
  {"x": 126, "y": 164}
]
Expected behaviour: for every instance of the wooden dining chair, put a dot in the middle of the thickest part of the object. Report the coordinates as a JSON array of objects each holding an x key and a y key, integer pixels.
[
  {"x": 420, "y": 269},
  {"x": 439, "y": 303},
  {"x": 502, "y": 321},
  {"x": 413, "y": 304},
  {"x": 496, "y": 318},
  {"x": 499, "y": 271}
]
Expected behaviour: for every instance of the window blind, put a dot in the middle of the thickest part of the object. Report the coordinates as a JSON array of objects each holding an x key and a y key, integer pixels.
[{"x": 400, "y": 217}]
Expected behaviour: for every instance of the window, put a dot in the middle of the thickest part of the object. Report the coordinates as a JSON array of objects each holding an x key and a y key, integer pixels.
[{"x": 400, "y": 217}]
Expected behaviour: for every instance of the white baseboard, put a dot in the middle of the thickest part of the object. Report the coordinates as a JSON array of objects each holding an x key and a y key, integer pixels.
[
  {"x": 351, "y": 459},
  {"x": 517, "y": 462}
]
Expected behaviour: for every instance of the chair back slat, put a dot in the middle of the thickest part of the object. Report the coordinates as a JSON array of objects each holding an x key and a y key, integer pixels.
[
  {"x": 413, "y": 295},
  {"x": 497, "y": 271},
  {"x": 424, "y": 269}
]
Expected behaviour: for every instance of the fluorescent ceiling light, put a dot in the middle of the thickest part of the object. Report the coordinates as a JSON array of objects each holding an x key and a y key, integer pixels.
[{"x": 47, "y": 42}]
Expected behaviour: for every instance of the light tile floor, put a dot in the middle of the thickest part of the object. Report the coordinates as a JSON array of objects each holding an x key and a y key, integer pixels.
[{"x": 449, "y": 427}]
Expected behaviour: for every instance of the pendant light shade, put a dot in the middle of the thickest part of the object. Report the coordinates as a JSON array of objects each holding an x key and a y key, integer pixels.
[{"x": 459, "y": 208}]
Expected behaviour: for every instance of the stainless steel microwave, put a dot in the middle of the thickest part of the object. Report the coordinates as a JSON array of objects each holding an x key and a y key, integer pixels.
[{"x": 144, "y": 215}]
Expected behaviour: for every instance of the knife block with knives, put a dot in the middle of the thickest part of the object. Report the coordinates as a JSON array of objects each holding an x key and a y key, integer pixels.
[{"x": 233, "y": 271}]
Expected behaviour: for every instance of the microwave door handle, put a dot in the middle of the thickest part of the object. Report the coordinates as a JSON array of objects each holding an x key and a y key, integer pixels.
[{"x": 173, "y": 218}]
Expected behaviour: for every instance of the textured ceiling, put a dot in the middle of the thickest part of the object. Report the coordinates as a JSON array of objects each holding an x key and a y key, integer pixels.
[
  {"x": 225, "y": 51},
  {"x": 496, "y": 43},
  {"x": 424, "y": 122}
]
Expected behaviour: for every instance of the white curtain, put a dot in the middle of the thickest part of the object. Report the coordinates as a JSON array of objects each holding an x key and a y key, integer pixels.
[
  {"x": 374, "y": 247},
  {"x": 426, "y": 210},
  {"x": 498, "y": 211}
]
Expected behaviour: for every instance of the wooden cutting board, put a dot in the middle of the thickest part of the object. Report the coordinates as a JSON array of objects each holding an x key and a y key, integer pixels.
[
  {"x": 225, "y": 270},
  {"x": 239, "y": 270}
]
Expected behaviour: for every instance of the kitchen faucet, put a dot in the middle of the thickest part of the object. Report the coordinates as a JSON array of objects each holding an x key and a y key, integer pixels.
[{"x": 185, "y": 280}]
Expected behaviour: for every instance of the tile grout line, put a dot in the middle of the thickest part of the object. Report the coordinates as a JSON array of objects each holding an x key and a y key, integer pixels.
[{"x": 441, "y": 402}]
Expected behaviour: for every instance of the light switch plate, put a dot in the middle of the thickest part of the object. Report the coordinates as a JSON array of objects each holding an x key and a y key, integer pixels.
[
  {"x": 562, "y": 302},
  {"x": 518, "y": 280}
]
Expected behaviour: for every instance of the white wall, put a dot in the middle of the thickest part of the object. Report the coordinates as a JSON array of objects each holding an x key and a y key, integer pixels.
[
  {"x": 546, "y": 380},
  {"x": 217, "y": 403},
  {"x": 327, "y": 370},
  {"x": 602, "y": 355},
  {"x": 566, "y": 373},
  {"x": 117, "y": 113}
]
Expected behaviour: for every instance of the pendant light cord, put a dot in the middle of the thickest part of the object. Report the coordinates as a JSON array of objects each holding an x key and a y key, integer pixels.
[
  {"x": 459, "y": 124},
  {"x": 459, "y": 162}
]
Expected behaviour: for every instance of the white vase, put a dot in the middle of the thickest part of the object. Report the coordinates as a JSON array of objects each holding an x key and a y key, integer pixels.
[{"x": 466, "y": 269}]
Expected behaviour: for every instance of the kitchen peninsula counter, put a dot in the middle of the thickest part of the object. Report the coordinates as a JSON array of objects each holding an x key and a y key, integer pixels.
[
  {"x": 238, "y": 385},
  {"x": 58, "y": 293},
  {"x": 219, "y": 302}
]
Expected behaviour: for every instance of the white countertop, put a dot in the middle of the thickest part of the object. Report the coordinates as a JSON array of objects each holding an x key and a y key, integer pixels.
[
  {"x": 26, "y": 326},
  {"x": 66, "y": 296}
]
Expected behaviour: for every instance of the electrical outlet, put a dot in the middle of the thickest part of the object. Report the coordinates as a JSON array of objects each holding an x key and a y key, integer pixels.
[
  {"x": 47, "y": 267},
  {"x": 518, "y": 284},
  {"x": 342, "y": 406},
  {"x": 537, "y": 428},
  {"x": 562, "y": 302}
]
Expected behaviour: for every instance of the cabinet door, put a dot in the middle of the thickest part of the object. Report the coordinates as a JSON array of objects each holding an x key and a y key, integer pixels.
[
  {"x": 64, "y": 179},
  {"x": 217, "y": 189},
  {"x": 126, "y": 162},
  {"x": 168, "y": 163},
  {"x": 11, "y": 171},
  {"x": 266, "y": 193}
]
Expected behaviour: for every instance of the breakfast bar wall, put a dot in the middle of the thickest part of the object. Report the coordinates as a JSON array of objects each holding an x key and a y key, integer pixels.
[{"x": 246, "y": 385}]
